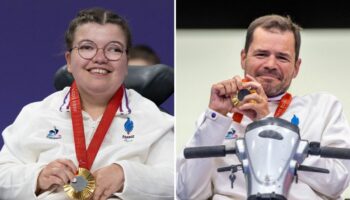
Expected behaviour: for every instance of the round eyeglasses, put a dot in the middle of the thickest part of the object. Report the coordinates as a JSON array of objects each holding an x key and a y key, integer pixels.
[{"x": 113, "y": 51}]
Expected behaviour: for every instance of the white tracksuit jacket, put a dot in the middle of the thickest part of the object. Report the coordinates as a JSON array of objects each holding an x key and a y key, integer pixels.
[
  {"x": 321, "y": 119},
  {"x": 146, "y": 155}
]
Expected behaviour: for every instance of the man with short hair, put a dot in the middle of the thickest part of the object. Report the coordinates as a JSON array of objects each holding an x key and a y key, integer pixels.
[{"x": 270, "y": 60}]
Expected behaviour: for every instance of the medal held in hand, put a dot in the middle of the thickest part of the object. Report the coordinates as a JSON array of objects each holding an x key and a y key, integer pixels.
[
  {"x": 241, "y": 94},
  {"x": 82, "y": 187}
]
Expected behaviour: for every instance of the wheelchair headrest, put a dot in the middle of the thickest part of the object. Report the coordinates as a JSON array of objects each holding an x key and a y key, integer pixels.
[{"x": 153, "y": 82}]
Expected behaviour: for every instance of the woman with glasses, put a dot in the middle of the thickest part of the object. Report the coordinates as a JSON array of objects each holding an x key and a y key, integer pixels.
[{"x": 95, "y": 139}]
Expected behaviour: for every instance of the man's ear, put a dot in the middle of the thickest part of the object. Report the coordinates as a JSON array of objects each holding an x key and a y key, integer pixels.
[
  {"x": 297, "y": 67},
  {"x": 243, "y": 59}
]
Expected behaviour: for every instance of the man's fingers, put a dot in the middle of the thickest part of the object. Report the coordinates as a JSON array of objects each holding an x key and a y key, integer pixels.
[
  {"x": 251, "y": 78},
  {"x": 254, "y": 98},
  {"x": 256, "y": 86},
  {"x": 248, "y": 106},
  {"x": 225, "y": 88},
  {"x": 238, "y": 82},
  {"x": 219, "y": 89}
]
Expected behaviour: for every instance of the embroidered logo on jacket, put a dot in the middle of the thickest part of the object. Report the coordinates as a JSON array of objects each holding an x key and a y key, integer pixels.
[
  {"x": 53, "y": 134},
  {"x": 128, "y": 127},
  {"x": 231, "y": 134}
]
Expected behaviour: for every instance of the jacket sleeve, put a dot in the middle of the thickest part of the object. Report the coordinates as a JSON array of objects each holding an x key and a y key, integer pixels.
[
  {"x": 18, "y": 168},
  {"x": 335, "y": 133},
  {"x": 153, "y": 179},
  {"x": 194, "y": 175}
]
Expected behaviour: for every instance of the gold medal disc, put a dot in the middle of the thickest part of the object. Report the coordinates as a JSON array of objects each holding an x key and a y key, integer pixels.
[
  {"x": 234, "y": 101},
  {"x": 82, "y": 187}
]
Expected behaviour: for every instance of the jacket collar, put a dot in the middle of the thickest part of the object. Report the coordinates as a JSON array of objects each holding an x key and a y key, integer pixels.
[
  {"x": 276, "y": 98},
  {"x": 124, "y": 108}
]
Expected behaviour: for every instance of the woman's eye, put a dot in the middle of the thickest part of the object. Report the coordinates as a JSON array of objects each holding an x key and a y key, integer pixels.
[{"x": 86, "y": 47}]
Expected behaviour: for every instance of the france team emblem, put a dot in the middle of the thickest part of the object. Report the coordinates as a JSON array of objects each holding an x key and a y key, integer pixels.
[{"x": 128, "y": 127}]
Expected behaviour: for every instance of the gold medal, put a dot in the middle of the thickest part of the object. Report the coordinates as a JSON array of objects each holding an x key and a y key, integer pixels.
[
  {"x": 234, "y": 101},
  {"x": 82, "y": 187},
  {"x": 240, "y": 96}
]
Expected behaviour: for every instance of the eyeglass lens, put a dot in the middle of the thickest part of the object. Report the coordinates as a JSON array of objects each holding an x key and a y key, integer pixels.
[{"x": 112, "y": 51}]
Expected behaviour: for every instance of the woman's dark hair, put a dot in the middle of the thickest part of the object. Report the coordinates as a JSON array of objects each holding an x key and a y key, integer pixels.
[{"x": 99, "y": 16}]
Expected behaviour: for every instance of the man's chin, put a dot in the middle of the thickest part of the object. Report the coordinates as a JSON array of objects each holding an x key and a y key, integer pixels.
[
  {"x": 272, "y": 90},
  {"x": 274, "y": 93}
]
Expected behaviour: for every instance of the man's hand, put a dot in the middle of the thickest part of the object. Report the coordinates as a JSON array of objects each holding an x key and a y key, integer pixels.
[
  {"x": 57, "y": 173},
  {"x": 255, "y": 105},
  {"x": 221, "y": 94},
  {"x": 109, "y": 180}
]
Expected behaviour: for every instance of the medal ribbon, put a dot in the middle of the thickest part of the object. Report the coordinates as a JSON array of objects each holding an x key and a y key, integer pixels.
[
  {"x": 282, "y": 107},
  {"x": 87, "y": 157}
]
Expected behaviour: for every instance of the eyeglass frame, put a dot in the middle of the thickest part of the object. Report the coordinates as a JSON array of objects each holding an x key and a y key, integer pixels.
[{"x": 104, "y": 48}]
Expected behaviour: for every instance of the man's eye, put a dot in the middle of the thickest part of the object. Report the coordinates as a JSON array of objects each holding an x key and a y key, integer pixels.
[
  {"x": 260, "y": 54},
  {"x": 282, "y": 58}
]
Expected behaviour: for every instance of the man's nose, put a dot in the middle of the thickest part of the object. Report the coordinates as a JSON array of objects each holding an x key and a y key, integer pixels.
[{"x": 271, "y": 62}]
